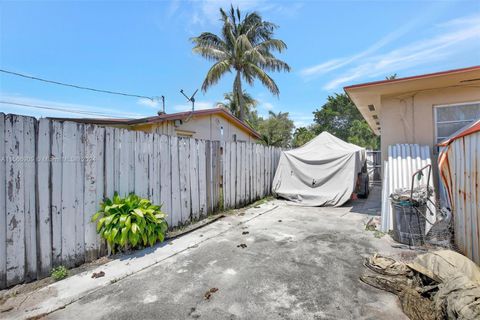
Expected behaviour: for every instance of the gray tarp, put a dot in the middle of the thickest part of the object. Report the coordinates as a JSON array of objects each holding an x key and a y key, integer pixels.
[{"x": 323, "y": 172}]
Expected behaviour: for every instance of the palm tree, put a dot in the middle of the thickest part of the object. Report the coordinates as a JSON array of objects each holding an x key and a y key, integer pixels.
[
  {"x": 231, "y": 103},
  {"x": 245, "y": 47}
]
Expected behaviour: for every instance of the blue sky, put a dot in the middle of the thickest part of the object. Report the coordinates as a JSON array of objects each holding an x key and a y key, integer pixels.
[{"x": 144, "y": 48}]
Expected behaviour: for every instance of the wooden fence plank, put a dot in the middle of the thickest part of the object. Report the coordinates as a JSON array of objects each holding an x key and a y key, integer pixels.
[
  {"x": 202, "y": 179},
  {"x": 29, "y": 177},
  {"x": 154, "y": 170},
  {"x": 264, "y": 170},
  {"x": 238, "y": 161},
  {"x": 272, "y": 172},
  {"x": 233, "y": 171},
  {"x": 184, "y": 164},
  {"x": 208, "y": 171},
  {"x": 140, "y": 164},
  {"x": 226, "y": 174},
  {"x": 175, "y": 176},
  {"x": 3, "y": 213},
  {"x": 254, "y": 172},
  {"x": 152, "y": 178},
  {"x": 217, "y": 174},
  {"x": 131, "y": 160},
  {"x": 194, "y": 192},
  {"x": 93, "y": 187},
  {"x": 79, "y": 194},
  {"x": 101, "y": 244},
  {"x": 166, "y": 177},
  {"x": 117, "y": 150},
  {"x": 249, "y": 174},
  {"x": 109, "y": 179},
  {"x": 124, "y": 165},
  {"x": 68, "y": 193},
  {"x": 244, "y": 173},
  {"x": 56, "y": 168},
  {"x": 259, "y": 171},
  {"x": 123, "y": 151},
  {"x": 15, "y": 200},
  {"x": 44, "y": 204}
]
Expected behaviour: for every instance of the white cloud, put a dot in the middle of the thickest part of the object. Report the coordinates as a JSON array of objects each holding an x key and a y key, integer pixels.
[
  {"x": 199, "y": 105},
  {"x": 463, "y": 34},
  {"x": 36, "y": 107},
  {"x": 337, "y": 63},
  {"x": 148, "y": 102}
]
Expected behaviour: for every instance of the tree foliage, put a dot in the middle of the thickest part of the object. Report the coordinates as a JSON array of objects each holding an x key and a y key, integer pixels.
[
  {"x": 232, "y": 104},
  {"x": 340, "y": 117},
  {"x": 245, "y": 46},
  {"x": 276, "y": 130},
  {"x": 302, "y": 135}
]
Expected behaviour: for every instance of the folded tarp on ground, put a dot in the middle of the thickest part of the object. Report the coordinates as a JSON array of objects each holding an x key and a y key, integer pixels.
[
  {"x": 323, "y": 172},
  {"x": 440, "y": 284}
]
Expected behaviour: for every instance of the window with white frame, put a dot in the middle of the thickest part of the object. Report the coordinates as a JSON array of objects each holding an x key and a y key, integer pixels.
[{"x": 451, "y": 118}]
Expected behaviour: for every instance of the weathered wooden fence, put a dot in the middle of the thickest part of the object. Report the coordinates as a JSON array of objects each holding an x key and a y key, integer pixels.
[{"x": 54, "y": 174}]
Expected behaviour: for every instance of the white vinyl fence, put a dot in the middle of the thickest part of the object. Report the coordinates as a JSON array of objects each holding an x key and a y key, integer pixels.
[{"x": 54, "y": 174}]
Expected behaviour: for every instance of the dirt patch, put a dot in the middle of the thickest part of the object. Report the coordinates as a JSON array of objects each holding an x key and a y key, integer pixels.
[{"x": 33, "y": 286}]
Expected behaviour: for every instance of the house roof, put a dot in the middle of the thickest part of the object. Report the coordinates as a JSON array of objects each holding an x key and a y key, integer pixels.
[
  {"x": 471, "y": 128},
  {"x": 367, "y": 96},
  {"x": 221, "y": 111}
]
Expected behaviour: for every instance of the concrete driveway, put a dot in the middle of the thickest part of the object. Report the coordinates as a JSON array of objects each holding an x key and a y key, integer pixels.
[{"x": 298, "y": 263}]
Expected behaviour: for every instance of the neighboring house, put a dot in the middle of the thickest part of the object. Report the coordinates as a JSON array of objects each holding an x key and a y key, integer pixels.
[
  {"x": 426, "y": 109},
  {"x": 423, "y": 109},
  {"x": 216, "y": 124}
]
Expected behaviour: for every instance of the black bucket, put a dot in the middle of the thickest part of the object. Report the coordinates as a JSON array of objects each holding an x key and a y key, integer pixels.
[{"x": 409, "y": 223}]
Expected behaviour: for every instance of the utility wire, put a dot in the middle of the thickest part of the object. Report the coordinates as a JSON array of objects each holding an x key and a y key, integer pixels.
[
  {"x": 83, "y": 112},
  {"x": 76, "y": 86}
]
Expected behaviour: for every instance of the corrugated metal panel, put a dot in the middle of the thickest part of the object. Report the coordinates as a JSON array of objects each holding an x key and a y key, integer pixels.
[
  {"x": 460, "y": 172},
  {"x": 403, "y": 161}
]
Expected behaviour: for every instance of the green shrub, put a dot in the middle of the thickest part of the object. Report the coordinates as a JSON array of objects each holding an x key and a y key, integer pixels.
[
  {"x": 130, "y": 222},
  {"x": 59, "y": 273}
]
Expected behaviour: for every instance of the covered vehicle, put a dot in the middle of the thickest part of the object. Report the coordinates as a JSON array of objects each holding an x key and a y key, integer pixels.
[{"x": 322, "y": 172}]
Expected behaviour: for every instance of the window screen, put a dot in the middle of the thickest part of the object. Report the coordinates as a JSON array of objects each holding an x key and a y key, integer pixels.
[{"x": 450, "y": 119}]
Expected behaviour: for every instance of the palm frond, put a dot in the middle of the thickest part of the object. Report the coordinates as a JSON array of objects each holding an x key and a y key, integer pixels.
[
  {"x": 210, "y": 53},
  {"x": 208, "y": 39},
  {"x": 227, "y": 29},
  {"x": 215, "y": 73},
  {"x": 242, "y": 44},
  {"x": 264, "y": 78},
  {"x": 276, "y": 65},
  {"x": 272, "y": 44}
]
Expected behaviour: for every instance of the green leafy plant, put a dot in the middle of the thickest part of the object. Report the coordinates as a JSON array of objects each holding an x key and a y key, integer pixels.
[
  {"x": 130, "y": 222},
  {"x": 59, "y": 273}
]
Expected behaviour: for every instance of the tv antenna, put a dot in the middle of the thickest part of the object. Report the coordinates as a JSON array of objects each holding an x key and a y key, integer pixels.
[{"x": 191, "y": 99}]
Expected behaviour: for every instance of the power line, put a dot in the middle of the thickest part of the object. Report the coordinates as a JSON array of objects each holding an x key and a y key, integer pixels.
[
  {"x": 76, "y": 111},
  {"x": 76, "y": 86}
]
